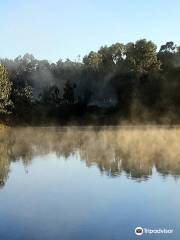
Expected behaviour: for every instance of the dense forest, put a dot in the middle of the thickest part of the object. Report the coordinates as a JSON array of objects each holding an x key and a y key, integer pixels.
[{"x": 132, "y": 82}]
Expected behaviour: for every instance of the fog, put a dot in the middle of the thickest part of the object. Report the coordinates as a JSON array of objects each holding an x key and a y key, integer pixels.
[{"x": 133, "y": 151}]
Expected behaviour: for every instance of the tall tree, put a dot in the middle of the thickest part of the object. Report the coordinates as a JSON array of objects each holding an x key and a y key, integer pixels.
[
  {"x": 168, "y": 56},
  {"x": 5, "y": 91},
  {"x": 93, "y": 60},
  {"x": 141, "y": 56}
]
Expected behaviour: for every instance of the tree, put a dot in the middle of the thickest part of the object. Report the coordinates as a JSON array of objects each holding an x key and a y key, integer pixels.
[
  {"x": 141, "y": 56},
  {"x": 93, "y": 60},
  {"x": 5, "y": 91},
  {"x": 22, "y": 98},
  {"x": 168, "y": 56},
  {"x": 169, "y": 47},
  {"x": 51, "y": 96},
  {"x": 68, "y": 94},
  {"x": 112, "y": 55}
]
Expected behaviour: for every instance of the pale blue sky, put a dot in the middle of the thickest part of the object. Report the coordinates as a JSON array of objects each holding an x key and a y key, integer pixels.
[{"x": 53, "y": 29}]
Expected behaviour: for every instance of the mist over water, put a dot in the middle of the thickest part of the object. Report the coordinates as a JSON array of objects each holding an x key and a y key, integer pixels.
[
  {"x": 113, "y": 150},
  {"x": 88, "y": 182},
  {"x": 89, "y": 120}
]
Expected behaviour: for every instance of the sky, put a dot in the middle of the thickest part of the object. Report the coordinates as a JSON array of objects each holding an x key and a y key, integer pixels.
[{"x": 54, "y": 29}]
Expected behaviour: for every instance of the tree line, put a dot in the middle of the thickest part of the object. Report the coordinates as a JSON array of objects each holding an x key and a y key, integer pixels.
[{"x": 134, "y": 82}]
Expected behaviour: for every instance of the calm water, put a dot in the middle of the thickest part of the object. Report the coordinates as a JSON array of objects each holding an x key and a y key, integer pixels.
[{"x": 69, "y": 183}]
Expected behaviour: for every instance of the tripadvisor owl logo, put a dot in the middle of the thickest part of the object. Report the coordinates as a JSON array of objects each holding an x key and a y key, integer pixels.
[{"x": 139, "y": 231}]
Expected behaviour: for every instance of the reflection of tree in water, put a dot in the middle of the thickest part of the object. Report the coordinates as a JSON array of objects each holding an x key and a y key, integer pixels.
[
  {"x": 4, "y": 159},
  {"x": 113, "y": 150},
  {"x": 4, "y": 170}
]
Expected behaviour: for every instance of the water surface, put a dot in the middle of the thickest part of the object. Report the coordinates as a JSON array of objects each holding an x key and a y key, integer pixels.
[{"x": 88, "y": 183}]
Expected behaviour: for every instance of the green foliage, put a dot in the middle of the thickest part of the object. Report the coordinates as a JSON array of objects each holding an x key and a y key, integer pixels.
[
  {"x": 22, "y": 99},
  {"x": 106, "y": 58},
  {"x": 141, "y": 56},
  {"x": 93, "y": 60},
  {"x": 168, "y": 56},
  {"x": 132, "y": 79},
  {"x": 51, "y": 96},
  {"x": 112, "y": 55},
  {"x": 68, "y": 95},
  {"x": 5, "y": 91}
]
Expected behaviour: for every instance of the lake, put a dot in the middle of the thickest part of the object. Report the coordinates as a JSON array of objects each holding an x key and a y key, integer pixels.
[{"x": 76, "y": 183}]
